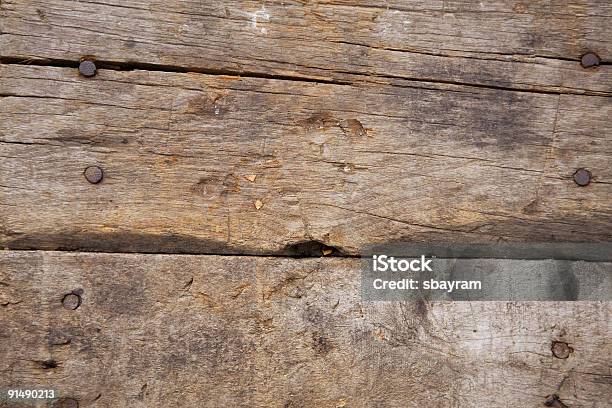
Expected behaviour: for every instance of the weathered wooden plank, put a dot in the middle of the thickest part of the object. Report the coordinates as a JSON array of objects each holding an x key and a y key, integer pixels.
[
  {"x": 345, "y": 166},
  {"x": 177, "y": 331},
  {"x": 526, "y": 45}
]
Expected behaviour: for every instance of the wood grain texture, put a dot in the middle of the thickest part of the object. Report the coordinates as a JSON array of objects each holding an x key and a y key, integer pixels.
[
  {"x": 533, "y": 45},
  {"x": 341, "y": 165},
  {"x": 210, "y": 331}
]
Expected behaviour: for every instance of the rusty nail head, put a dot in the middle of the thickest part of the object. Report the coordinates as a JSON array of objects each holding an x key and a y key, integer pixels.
[
  {"x": 551, "y": 400},
  {"x": 561, "y": 349},
  {"x": 71, "y": 301},
  {"x": 87, "y": 68},
  {"x": 66, "y": 403},
  {"x": 590, "y": 59},
  {"x": 554, "y": 401},
  {"x": 582, "y": 177},
  {"x": 94, "y": 174}
]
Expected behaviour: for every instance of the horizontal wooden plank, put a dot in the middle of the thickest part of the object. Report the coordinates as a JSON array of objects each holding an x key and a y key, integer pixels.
[
  {"x": 199, "y": 163},
  {"x": 175, "y": 331},
  {"x": 533, "y": 45}
]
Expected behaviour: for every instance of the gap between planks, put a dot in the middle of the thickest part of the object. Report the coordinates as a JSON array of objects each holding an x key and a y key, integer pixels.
[{"x": 334, "y": 256}]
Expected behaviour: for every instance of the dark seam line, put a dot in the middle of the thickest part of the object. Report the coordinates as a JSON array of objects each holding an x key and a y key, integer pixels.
[
  {"x": 277, "y": 255},
  {"x": 185, "y": 253},
  {"x": 132, "y": 66}
]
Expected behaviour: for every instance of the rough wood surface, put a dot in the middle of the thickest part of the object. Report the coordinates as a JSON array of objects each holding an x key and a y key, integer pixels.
[
  {"x": 207, "y": 163},
  {"x": 186, "y": 331},
  {"x": 295, "y": 128},
  {"x": 516, "y": 44}
]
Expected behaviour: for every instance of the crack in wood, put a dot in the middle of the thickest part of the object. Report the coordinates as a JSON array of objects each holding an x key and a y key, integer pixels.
[{"x": 410, "y": 81}]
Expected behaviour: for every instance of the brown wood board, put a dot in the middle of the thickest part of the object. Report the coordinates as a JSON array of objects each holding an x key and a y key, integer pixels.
[
  {"x": 531, "y": 45},
  {"x": 340, "y": 165}
]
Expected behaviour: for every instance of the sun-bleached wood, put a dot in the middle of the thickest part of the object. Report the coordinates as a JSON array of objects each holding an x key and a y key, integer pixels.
[{"x": 208, "y": 331}]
